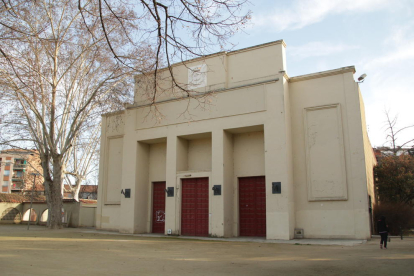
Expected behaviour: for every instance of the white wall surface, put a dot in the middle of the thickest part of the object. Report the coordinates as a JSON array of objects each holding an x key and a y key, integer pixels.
[
  {"x": 248, "y": 154},
  {"x": 199, "y": 155},
  {"x": 157, "y": 162},
  {"x": 329, "y": 218}
]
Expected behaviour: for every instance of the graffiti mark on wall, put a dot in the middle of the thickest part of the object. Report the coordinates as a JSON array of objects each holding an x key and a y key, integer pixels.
[{"x": 160, "y": 216}]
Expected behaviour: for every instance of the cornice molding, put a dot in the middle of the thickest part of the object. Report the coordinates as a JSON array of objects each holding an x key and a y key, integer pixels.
[
  {"x": 322, "y": 74},
  {"x": 134, "y": 106}
]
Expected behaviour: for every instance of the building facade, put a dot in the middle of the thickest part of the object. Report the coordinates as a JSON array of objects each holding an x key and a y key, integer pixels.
[
  {"x": 265, "y": 155},
  {"x": 16, "y": 166}
]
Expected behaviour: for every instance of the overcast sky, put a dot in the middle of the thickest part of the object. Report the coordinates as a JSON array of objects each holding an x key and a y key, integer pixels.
[{"x": 376, "y": 36}]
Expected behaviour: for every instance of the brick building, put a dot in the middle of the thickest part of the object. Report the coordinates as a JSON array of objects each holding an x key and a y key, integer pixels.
[{"x": 16, "y": 168}]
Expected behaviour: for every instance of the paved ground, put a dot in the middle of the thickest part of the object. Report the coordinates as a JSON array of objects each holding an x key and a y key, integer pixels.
[
  {"x": 242, "y": 239},
  {"x": 40, "y": 251}
]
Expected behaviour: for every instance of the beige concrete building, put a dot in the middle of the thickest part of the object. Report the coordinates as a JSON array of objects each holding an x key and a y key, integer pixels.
[{"x": 266, "y": 155}]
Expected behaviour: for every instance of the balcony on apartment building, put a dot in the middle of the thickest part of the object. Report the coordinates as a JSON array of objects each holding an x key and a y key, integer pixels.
[
  {"x": 19, "y": 164},
  {"x": 17, "y": 176},
  {"x": 17, "y": 186}
]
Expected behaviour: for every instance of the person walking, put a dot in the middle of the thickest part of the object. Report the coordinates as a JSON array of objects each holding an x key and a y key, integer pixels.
[{"x": 382, "y": 228}]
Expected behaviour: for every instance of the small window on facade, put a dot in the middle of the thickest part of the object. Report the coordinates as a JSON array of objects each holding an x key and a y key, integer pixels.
[
  {"x": 5, "y": 184},
  {"x": 6, "y": 173}
]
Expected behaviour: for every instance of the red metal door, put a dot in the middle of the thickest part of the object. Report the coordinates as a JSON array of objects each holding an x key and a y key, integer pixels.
[
  {"x": 252, "y": 206},
  {"x": 194, "y": 207},
  {"x": 158, "y": 207}
]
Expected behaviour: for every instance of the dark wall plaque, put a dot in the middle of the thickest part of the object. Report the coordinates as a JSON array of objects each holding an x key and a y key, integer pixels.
[
  {"x": 276, "y": 187},
  {"x": 217, "y": 189}
]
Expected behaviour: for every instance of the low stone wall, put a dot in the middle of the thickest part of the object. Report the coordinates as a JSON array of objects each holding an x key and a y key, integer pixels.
[
  {"x": 87, "y": 213},
  {"x": 75, "y": 214}
]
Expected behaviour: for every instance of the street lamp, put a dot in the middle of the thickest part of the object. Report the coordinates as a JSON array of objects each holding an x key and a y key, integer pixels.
[
  {"x": 362, "y": 78},
  {"x": 31, "y": 200}
]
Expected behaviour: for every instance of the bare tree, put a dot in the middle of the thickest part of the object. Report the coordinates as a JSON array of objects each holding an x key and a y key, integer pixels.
[
  {"x": 82, "y": 161},
  {"x": 64, "y": 62},
  {"x": 177, "y": 29},
  {"x": 57, "y": 77},
  {"x": 393, "y": 133}
]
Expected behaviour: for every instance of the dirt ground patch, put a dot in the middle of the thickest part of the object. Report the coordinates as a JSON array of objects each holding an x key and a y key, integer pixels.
[{"x": 40, "y": 251}]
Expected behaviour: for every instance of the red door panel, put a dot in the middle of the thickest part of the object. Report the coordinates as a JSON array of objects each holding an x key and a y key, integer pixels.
[
  {"x": 158, "y": 207},
  {"x": 252, "y": 206},
  {"x": 194, "y": 207}
]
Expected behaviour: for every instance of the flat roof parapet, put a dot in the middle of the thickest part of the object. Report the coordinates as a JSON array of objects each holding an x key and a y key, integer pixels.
[{"x": 322, "y": 74}]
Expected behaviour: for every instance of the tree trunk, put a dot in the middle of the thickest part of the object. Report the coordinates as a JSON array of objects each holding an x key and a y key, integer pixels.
[
  {"x": 77, "y": 189},
  {"x": 47, "y": 183},
  {"x": 56, "y": 206},
  {"x": 54, "y": 197}
]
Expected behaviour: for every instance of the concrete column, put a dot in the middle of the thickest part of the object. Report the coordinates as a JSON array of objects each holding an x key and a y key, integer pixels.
[
  {"x": 129, "y": 164},
  {"x": 135, "y": 170},
  {"x": 217, "y": 178},
  {"x": 228, "y": 184},
  {"x": 171, "y": 222},
  {"x": 142, "y": 186},
  {"x": 278, "y": 162},
  {"x": 101, "y": 188},
  {"x": 222, "y": 174}
]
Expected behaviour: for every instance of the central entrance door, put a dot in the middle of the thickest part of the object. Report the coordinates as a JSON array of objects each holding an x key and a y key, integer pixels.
[
  {"x": 252, "y": 206},
  {"x": 194, "y": 207},
  {"x": 158, "y": 207}
]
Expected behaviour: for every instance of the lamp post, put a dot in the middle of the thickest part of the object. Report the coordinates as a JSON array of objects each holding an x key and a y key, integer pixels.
[{"x": 31, "y": 200}]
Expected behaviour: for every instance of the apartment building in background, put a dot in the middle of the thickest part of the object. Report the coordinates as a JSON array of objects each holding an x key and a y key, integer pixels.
[{"x": 16, "y": 171}]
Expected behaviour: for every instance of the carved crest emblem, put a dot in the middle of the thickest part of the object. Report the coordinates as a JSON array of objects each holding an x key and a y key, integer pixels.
[{"x": 197, "y": 76}]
